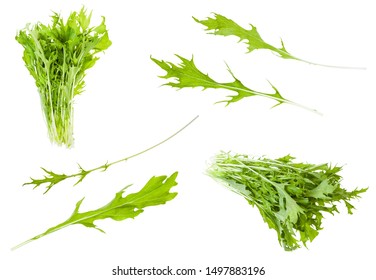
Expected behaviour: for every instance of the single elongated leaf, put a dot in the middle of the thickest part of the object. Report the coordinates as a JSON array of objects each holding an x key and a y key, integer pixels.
[
  {"x": 220, "y": 25},
  {"x": 186, "y": 74},
  {"x": 50, "y": 178},
  {"x": 155, "y": 192}
]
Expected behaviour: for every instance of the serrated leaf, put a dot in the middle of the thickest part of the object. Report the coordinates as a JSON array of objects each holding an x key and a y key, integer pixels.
[
  {"x": 51, "y": 178},
  {"x": 155, "y": 192},
  {"x": 220, "y": 25},
  {"x": 83, "y": 18},
  {"x": 187, "y": 75},
  {"x": 288, "y": 208},
  {"x": 103, "y": 44},
  {"x": 322, "y": 190}
]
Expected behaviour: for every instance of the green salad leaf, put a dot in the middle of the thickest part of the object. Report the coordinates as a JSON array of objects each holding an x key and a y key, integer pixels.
[
  {"x": 155, "y": 192},
  {"x": 57, "y": 56},
  {"x": 291, "y": 197},
  {"x": 186, "y": 74},
  {"x": 220, "y": 25},
  {"x": 51, "y": 178}
]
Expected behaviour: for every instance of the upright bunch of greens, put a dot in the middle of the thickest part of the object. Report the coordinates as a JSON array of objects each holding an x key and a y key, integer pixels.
[
  {"x": 155, "y": 192},
  {"x": 291, "y": 197},
  {"x": 186, "y": 74},
  {"x": 220, "y": 25},
  {"x": 57, "y": 56}
]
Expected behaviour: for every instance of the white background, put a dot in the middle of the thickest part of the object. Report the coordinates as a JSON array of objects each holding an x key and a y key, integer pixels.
[{"x": 124, "y": 110}]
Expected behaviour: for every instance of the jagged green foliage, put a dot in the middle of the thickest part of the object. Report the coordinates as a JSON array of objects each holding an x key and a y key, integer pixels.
[
  {"x": 57, "y": 56},
  {"x": 51, "y": 178},
  {"x": 186, "y": 74},
  {"x": 220, "y": 25},
  {"x": 291, "y": 197},
  {"x": 155, "y": 192}
]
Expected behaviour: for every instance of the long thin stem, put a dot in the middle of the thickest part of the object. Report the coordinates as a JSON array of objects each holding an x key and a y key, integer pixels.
[
  {"x": 333, "y": 66},
  {"x": 107, "y": 165},
  {"x": 281, "y": 100},
  {"x": 287, "y": 55},
  {"x": 52, "y": 178}
]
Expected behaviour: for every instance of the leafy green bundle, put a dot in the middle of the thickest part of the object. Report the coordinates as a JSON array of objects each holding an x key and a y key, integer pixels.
[
  {"x": 57, "y": 56},
  {"x": 291, "y": 197},
  {"x": 155, "y": 192}
]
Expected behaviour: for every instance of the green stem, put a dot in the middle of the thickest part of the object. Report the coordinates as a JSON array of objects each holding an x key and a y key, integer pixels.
[
  {"x": 83, "y": 173},
  {"x": 332, "y": 66},
  {"x": 287, "y": 55},
  {"x": 107, "y": 165}
]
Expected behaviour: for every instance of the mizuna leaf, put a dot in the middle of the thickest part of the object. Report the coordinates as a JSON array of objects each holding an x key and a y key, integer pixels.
[
  {"x": 323, "y": 190},
  {"x": 220, "y": 25},
  {"x": 155, "y": 192},
  {"x": 51, "y": 178},
  {"x": 291, "y": 197},
  {"x": 186, "y": 74}
]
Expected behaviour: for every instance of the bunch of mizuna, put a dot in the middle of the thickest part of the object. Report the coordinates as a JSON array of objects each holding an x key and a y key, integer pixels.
[
  {"x": 291, "y": 197},
  {"x": 57, "y": 57}
]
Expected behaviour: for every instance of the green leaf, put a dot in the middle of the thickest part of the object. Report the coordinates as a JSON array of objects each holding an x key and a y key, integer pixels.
[
  {"x": 100, "y": 29},
  {"x": 186, "y": 75},
  {"x": 104, "y": 43},
  {"x": 51, "y": 178},
  {"x": 291, "y": 197},
  {"x": 83, "y": 18},
  {"x": 220, "y": 25},
  {"x": 288, "y": 208},
  {"x": 155, "y": 192},
  {"x": 322, "y": 190}
]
